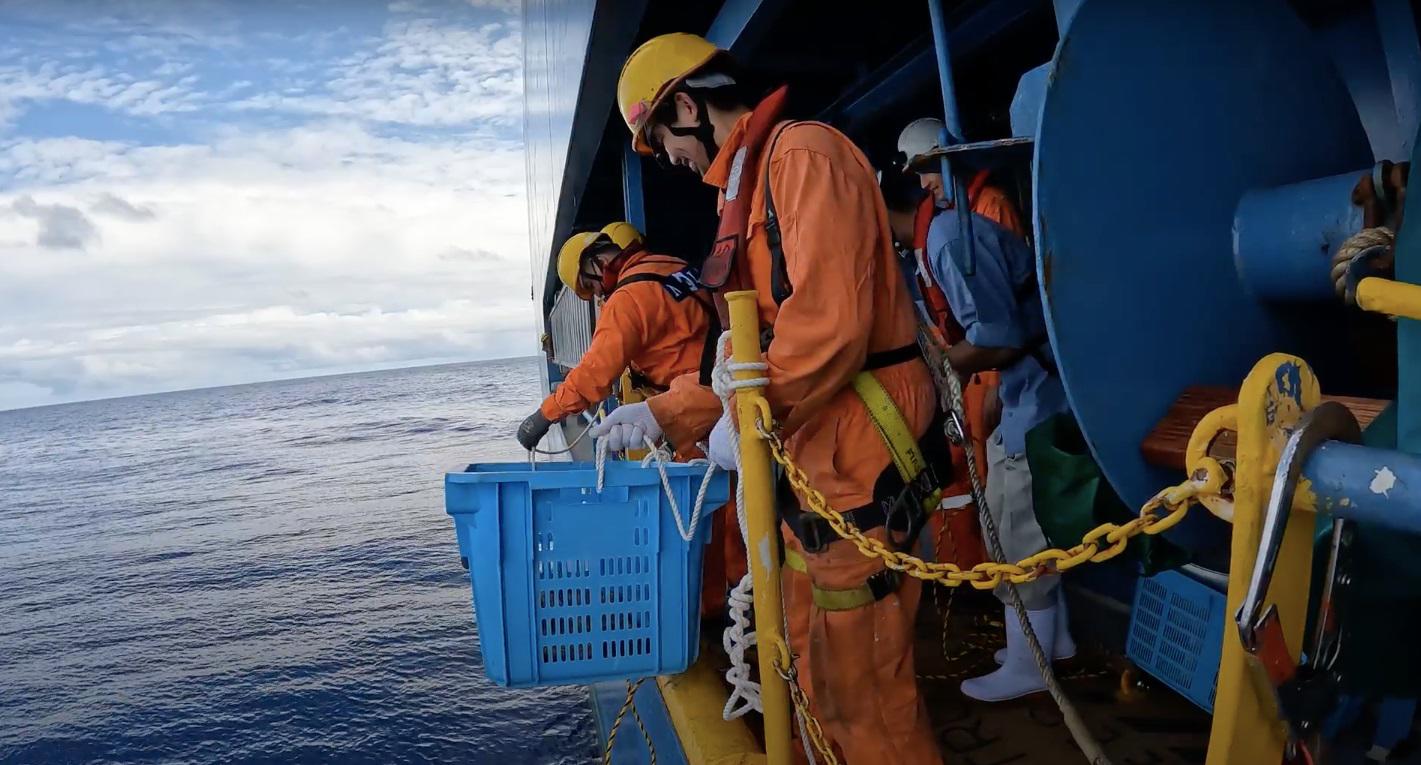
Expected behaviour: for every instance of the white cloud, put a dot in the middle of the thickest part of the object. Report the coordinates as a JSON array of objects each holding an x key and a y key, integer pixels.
[
  {"x": 247, "y": 252},
  {"x": 266, "y": 254},
  {"x": 275, "y": 341},
  {"x": 422, "y": 73},
  {"x": 108, "y": 204},
  {"x": 140, "y": 26},
  {"x": 59, "y": 227},
  {"x": 506, "y": 6},
  {"x": 87, "y": 83}
]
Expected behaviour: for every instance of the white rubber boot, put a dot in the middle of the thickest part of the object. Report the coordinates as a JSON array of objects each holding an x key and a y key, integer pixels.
[
  {"x": 1018, "y": 675},
  {"x": 1065, "y": 646}
]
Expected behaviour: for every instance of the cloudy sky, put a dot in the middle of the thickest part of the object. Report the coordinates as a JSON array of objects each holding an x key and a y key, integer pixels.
[{"x": 205, "y": 192}]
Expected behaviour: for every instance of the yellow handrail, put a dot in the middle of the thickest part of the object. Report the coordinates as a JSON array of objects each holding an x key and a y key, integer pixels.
[
  {"x": 763, "y": 531},
  {"x": 1389, "y": 297}
]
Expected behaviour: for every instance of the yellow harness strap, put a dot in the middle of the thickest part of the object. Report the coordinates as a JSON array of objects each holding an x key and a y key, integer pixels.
[
  {"x": 831, "y": 600},
  {"x": 907, "y": 458},
  {"x": 896, "y": 434}
]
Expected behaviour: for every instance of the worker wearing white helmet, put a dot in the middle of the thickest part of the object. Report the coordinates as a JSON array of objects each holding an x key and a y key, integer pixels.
[
  {"x": 993, "y": 296},
  {"x": 922, "y": 149}
]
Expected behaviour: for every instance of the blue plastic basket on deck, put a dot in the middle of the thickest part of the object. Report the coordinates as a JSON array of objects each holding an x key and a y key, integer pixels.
[
  {"x": 572, "y": 586},
  {"x": 1177, "y": 634}
]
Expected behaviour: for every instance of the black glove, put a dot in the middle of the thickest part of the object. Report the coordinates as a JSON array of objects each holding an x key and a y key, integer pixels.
[{"x": 533, "y": 429}]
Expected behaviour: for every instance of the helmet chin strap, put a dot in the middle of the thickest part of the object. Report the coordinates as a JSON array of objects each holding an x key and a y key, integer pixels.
[
  {"x": 703, "y": 130},
  {"x": 612, "y": 269}
]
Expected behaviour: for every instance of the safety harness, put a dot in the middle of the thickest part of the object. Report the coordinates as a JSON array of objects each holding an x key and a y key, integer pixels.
[
  {"x": 680, "y": 285},
  {"x": 904, "y": 495}
]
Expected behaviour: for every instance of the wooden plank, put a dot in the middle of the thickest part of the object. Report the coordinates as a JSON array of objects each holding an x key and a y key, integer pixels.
[{"x": 1167, "y": 443}]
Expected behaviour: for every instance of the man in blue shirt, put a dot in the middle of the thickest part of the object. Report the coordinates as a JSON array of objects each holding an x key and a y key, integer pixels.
[{"x": 992, "y": 293}]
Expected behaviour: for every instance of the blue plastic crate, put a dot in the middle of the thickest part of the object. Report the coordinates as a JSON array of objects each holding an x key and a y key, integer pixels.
[
  {"x": 1177, "y": 633},
  {"x": 572, "y": 586}
]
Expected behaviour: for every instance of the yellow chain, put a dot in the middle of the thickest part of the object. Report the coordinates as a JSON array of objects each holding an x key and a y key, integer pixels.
[
  {"x": 784, "y": 666},
  {"x": 1100, "y": 544}
]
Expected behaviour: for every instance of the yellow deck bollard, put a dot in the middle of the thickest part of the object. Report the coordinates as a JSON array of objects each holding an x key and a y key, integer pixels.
[{"x": 764, "y": 530}]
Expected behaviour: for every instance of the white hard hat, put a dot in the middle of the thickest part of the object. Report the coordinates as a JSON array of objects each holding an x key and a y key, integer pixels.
[{"x": 920, "y": 142}]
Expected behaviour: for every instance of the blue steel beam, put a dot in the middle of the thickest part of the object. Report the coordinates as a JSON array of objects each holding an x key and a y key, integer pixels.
[
  {"x": 742, "y": 24},
  {"x": 1378, "y": 487},
  {"x": 1397, "y": 24},
  {"x": 942, "y": 49},
  {"x": 952, "y": 130},
  {"x": 1285, "y": 237},
  {"x": 633, "y": 200},
  {"x": 1408, "y": 333},
  {"x": 905, "y": 74},
  {"x": 884, "y": 87}
]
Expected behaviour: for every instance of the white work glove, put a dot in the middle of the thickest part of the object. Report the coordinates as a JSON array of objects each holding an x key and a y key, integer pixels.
[
  {"x": 627, "y": 427},
  {"x": 721, "y": 449}
]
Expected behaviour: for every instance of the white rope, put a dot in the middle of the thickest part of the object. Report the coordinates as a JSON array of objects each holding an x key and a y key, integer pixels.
[
  {"x": 554, "y": 452},
  {"x": 659, "y": 456},
  {"x": 738, "y": 637}
]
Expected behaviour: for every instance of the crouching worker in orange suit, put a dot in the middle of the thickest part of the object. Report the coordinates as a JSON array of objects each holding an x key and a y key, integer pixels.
[
  {"x": 654, "y": 321},
  {"x": 802, "y": 223}
]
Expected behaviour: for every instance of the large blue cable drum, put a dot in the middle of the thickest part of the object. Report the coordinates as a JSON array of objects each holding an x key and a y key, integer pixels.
[{"x": 1159, "y": 116}]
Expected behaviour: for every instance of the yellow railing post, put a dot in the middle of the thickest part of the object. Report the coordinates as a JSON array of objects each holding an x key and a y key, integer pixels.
[
  {"x": 764, "y": 530},
  {"x": 1246, "y": 728}
]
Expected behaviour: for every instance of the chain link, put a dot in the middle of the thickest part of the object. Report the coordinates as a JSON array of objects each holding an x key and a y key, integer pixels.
[
  {"x": 784, "y": 667},
  {"x": 1098, "y": 545}
]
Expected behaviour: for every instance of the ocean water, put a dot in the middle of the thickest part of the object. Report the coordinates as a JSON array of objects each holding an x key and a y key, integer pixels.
[{"x": 261, "y": 573}]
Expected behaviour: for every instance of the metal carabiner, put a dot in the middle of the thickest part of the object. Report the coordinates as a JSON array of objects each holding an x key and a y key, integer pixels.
[
  {"x": 954, "y": 429},
  {"x": 1330, "y": 421},
  {"x": 1327, "y": 634}
]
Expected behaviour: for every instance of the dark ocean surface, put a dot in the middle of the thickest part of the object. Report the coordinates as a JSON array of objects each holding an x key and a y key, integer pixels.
[{"x": 261, "y": 573}]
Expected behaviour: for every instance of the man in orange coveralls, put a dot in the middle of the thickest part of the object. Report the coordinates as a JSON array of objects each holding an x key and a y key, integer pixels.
[
  {"x": 655, "y": 320},
  {"x": 821, "y": 257}
]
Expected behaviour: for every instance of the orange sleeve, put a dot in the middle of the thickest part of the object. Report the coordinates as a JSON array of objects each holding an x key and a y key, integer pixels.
[
  {"x": 822, "y": 329},
  {"x": 686, "y": 412},
  {"x": 621, "y": 332},
  {"x": 994, "y": 205}
]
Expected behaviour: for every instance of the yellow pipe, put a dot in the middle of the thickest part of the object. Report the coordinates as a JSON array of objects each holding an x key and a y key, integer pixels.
[
  {"x": 1246, "y": 728},
  {"x": 760, "y": 513},
  {"x": 1390, "y": 297}
]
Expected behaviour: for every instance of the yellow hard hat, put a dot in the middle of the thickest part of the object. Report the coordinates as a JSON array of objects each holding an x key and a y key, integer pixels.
[
  {"x": 623, "y": 233},
  {"x": 570, "y": 261},
  {"x": 652, "y": 71}
]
